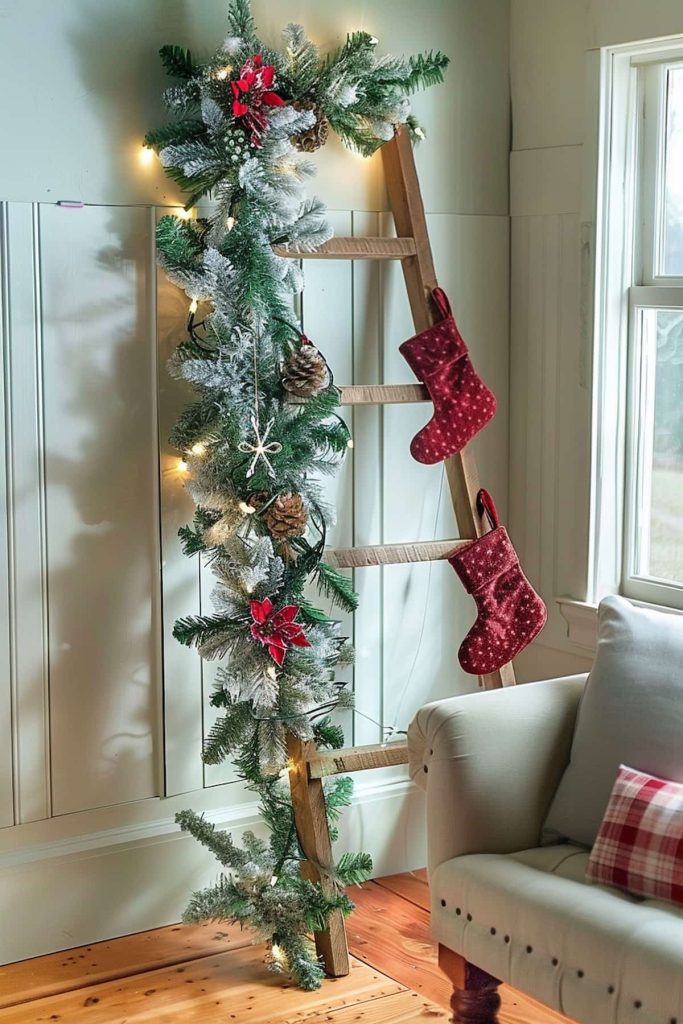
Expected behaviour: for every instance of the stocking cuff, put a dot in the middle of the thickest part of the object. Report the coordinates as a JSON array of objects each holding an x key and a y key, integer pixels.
[
  {"x": 484, "y": 559},
  {"x": 427, "y": 351}
]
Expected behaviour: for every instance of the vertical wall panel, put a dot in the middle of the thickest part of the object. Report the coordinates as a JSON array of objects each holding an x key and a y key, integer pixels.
[
  {"x": 328, "y": 321},
  {"x": 183, "y": 704},
  {"x": 6, "y": 745},
  {"x": 101, "y": 463},
  {"x": 26, "y": 518},
  {"x": 367, "y": 488}
]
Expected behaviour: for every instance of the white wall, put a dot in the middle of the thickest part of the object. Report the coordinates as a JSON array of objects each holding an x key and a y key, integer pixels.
[
  {"x": 101, "y": 712},
  {"x": 553, "y": 55}
]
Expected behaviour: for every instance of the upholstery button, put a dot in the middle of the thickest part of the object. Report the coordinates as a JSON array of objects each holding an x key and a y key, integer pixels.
[
  {"x": 493, "y": 931},
  {"x": 443, "y": 903},
  {"x": 555, "y": 961},
  {"x": 579, "y": 974},
  {"x": 469, "y": 917},
  {"x": 426, "y": 769},
  {"x": 637, "y": 1003},
  {"x": 529, "y": 949},
  {"x": 431, "y": 752},
  {"x": 507, "y": 938},
  {"x": 458, "y": 911},
  {"x": 610, "y": 989},
  {"x": 674, "y": 1020}
]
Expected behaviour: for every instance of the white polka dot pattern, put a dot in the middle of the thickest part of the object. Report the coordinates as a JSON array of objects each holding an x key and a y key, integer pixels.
[
  {"x": 462, "y": 402},
  {"x": 510, "y": 612}
]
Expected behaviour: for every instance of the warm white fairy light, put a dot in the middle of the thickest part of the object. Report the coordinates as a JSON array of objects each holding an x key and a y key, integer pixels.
[
  {"x": 183, "y": 213},
  {"x": 193, "y": 306},
  {"x": 373, "y": 40},
  {"x": 146, "y": 156},
  {"x": 223, "y": 73},
  {"x": 182, "y": 466},
  {"x": 230, "y": 223},
  {"x": 349, "y": 443},
  {"x": 273, "y": 880},
  {"x": 277, "y": 954},
  {"x": 198, "y": 449},
  {"x": 419, "y": 133}
]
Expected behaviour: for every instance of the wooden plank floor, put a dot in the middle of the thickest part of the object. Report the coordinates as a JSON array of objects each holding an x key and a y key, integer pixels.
[{"x": 213, "y": 973}]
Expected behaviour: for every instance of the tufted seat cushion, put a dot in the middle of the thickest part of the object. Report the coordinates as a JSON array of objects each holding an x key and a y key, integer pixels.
[{"x": 530, "y": 919}]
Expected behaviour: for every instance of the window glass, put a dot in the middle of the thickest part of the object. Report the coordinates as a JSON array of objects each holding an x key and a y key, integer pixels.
[{"x": 673, "y": 190}]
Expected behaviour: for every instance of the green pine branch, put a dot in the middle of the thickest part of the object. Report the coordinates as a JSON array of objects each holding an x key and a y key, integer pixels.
[
  {"x": 177, "y": 61},
  {"x": 337, "y": 587},
  {"x": 426, "y": 69},
  {"x": 354, "y": 868}
]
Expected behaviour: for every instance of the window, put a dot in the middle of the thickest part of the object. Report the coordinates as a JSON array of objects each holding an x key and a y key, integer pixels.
[{"x": 638, "y": 410}]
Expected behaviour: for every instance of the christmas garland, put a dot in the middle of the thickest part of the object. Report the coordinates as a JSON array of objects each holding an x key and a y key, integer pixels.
[{"x": 262, "y": 429}]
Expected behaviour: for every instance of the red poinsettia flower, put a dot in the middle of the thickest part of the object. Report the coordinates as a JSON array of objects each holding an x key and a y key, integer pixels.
[
  {"x": 277, "y": 630},
  {"x": 253, "y": 91}
]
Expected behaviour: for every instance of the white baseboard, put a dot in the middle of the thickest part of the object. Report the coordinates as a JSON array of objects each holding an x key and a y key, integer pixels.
[{"x": 82, "y": 889}]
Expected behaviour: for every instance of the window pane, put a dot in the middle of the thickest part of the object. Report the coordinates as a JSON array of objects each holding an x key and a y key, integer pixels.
[
  {"x": 673, "y": 198},
  {"x": 660, "y": 525}
]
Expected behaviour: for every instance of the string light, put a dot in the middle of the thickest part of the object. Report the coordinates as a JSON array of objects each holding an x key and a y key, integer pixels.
[
  {"x": 146, "y": 156},
  {"x": 273, "y": 881},
  {"x": 198, "y": 449},
  {"x": 223, "y": 73},
  {"x": 270, "y": 671},
  {"x": 230, "y": 223},
  {"x": 193, "y": 306},
  {"x": 373, "y": 40},
  {"x": 419, "y": 133},
  {"x": 182, "y": 466},
  {"x": 277, "y": 954},
  {"x": 184, "y": 214},
  {"x": 349, "y": 443}
]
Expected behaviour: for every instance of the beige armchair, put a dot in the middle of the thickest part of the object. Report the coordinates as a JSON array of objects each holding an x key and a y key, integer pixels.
[{"x": 505, "y": 907}]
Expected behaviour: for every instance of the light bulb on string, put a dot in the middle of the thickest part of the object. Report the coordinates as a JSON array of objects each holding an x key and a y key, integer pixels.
[
  {"x": 198, "y": 449},
  {"x": 373, "y": 40},
  {"x": 223, "y": 73},
  {"x": 193, "y": 306},
  {"x": 419, "y": 133},
  {"x": 349, "y": 443},
  {"x": 230, "y": 223},
  {"x": 146, "y": 156},
  {"x": 182, "y": 466},
  {"x": 183, "y": 214}
]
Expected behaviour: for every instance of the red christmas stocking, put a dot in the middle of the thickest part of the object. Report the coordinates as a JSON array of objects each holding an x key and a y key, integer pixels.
[
  {"x": 462, "y": 402},
  {"x": 510, "y": 612}
]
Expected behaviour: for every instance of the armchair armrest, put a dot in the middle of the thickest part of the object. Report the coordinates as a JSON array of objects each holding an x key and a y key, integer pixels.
[{"x": 490, "y": 763}]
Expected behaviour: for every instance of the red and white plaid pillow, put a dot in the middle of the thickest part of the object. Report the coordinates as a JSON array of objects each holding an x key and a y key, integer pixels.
[{"x": 639, "y": 846}]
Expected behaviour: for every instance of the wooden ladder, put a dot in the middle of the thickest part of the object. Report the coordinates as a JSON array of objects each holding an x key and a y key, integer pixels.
[{"x": 308, "y": 766}]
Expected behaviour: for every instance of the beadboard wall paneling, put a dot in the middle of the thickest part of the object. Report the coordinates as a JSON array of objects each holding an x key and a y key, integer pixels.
[
  {"x": 101, "y": 507},
  {"x": 552, "y": 68},
  {"x": 28, "y": 679},
  {"x": 6, "y": 690},
  {"x": 183, "y": 706}
]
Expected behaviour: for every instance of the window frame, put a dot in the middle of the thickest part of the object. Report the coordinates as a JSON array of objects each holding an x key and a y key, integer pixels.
[{"x": 629, "y": 214}]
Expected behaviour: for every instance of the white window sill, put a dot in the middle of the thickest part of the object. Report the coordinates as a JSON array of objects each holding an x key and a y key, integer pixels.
[
  {"x": 582, "y": 619},
  {"x": 582, "y": 622}
]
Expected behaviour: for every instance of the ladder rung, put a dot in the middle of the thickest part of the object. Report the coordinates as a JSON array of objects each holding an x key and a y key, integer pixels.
[
  {"x": 382, "y": 394},
  {"x": 353, "y": 249},
  {"x": 392, "y": 554},
  {"x": 357, "y": 759}
]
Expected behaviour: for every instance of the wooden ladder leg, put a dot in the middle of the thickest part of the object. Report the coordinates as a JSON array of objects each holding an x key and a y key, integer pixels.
[
  {"x": 308, "y": 803},
  {"x": 475, "y": 998}
]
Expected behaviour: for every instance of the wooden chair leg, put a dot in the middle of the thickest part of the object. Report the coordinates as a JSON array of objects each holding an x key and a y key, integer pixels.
[{"x": 475, "y": 998}]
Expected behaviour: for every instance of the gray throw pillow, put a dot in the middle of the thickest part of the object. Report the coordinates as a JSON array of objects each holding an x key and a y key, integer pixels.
[{"x": 631, "y": 713}]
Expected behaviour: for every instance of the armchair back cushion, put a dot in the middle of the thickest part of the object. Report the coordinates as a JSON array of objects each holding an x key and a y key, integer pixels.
[{"x": 631, "y": 712}]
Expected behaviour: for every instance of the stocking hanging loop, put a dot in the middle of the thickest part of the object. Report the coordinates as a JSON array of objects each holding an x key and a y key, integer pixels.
[
  {"x": 486, "y": 506},
  {"x": 441, "y": 300}
]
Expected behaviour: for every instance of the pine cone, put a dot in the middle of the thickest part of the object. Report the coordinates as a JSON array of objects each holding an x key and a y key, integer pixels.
[
  {"x": 284, "y": 517},
  {"x": 305, "y": 374},
  {"x": 315, "y": 136}
]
